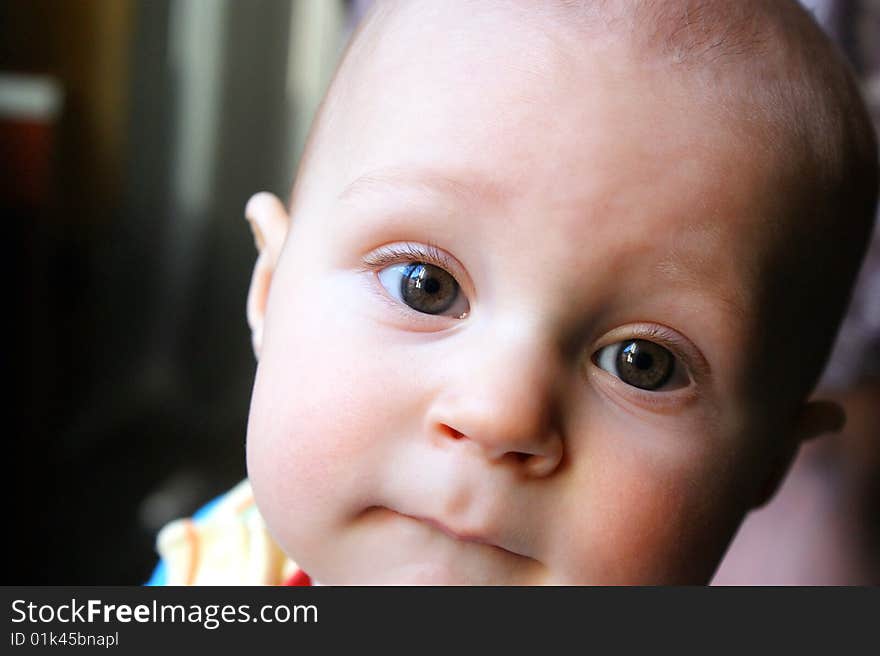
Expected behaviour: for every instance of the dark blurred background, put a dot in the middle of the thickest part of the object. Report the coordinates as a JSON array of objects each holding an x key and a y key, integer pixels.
[{"x": 132, "y": 132}]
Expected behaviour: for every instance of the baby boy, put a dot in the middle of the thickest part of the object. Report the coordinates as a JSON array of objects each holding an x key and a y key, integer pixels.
[{"x": 555, "y": 283}]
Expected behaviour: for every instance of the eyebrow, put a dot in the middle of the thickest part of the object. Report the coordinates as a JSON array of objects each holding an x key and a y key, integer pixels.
[
  {"x": 464, "y": 187},
  {"x": 693, "y": 275},
  {"x": 468, "y": 188}
]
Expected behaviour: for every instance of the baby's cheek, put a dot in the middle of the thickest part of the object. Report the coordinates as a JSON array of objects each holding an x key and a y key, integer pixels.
[
  {"x": 662, "y": 533},
  {"x": 304, "y": 433},
  {"x": 657, "y": 509},
  {"x": 324, "y": 417}
]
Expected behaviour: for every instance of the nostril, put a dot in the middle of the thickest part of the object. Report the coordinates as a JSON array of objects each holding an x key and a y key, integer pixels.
[{"x": 451, "y": 432}]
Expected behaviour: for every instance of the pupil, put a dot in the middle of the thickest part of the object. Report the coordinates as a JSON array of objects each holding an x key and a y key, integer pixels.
[
  {"x": 431, "y": 285},
  {"x": 643, "y": 360}
]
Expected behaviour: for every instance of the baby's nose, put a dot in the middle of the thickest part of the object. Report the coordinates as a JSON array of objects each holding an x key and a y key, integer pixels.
[
  {"x": 535, "y": 457},
  {"x": 507, "y": 402}
]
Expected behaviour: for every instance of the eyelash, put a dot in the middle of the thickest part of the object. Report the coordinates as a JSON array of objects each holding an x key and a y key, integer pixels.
[
  {"x": 656, "y": 333},
  {"x": 398, "y": 253}
]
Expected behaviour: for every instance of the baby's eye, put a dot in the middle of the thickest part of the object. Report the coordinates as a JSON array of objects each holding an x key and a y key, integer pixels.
[
  {"x": 425, "y": 288},
  {"x": 642, "y": 364}
]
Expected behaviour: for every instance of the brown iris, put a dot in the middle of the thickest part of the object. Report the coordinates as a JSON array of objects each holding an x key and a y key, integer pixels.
[
  {"x": 427, "y": 288},
  {"x": 644, "y": 364}
]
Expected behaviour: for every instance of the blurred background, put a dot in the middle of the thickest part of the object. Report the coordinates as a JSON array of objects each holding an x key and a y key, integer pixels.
[{"x": 132, "y": 132}]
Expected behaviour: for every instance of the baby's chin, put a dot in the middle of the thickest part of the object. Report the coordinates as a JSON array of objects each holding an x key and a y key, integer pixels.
[
  {"x": 439, "y": 574},
  {"x": 434, "y": 573}
]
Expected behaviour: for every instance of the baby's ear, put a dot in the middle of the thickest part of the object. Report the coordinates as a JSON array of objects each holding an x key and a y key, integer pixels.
[
  {"x": 816, "y": 418},
  {"x": 269, "y": 222}
]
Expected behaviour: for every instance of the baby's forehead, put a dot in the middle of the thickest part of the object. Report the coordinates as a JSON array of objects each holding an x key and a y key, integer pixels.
[
  {"x": 511, "y": 66},
  {"x": 497, "y": 84},
  {"x": 570, "y": 148},
  {"x": 689, "y": 35},
  {"x": 517, "y": 101}
]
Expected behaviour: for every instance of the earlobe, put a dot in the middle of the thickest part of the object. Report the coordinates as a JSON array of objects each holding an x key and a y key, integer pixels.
[
  {"x": 816, "y": 418},
  {"x": 269, "y": 222}
]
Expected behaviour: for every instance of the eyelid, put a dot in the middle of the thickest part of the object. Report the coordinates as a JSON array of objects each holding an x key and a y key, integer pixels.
[
  {"x": 405, "y": 252},
  {"x": 430, "y": 253},
  {"x": 681, "y": 347}
]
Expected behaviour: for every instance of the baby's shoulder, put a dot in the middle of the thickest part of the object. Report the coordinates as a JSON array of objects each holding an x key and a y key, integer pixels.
[{"x": 225, "y": 543}]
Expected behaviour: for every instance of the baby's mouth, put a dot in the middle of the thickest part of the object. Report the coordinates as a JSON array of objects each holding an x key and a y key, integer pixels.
[{"x": 460, "y": 536}]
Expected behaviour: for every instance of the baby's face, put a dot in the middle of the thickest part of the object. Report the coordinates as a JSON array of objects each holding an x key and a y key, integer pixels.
[{"x": 506, "y": 342}]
